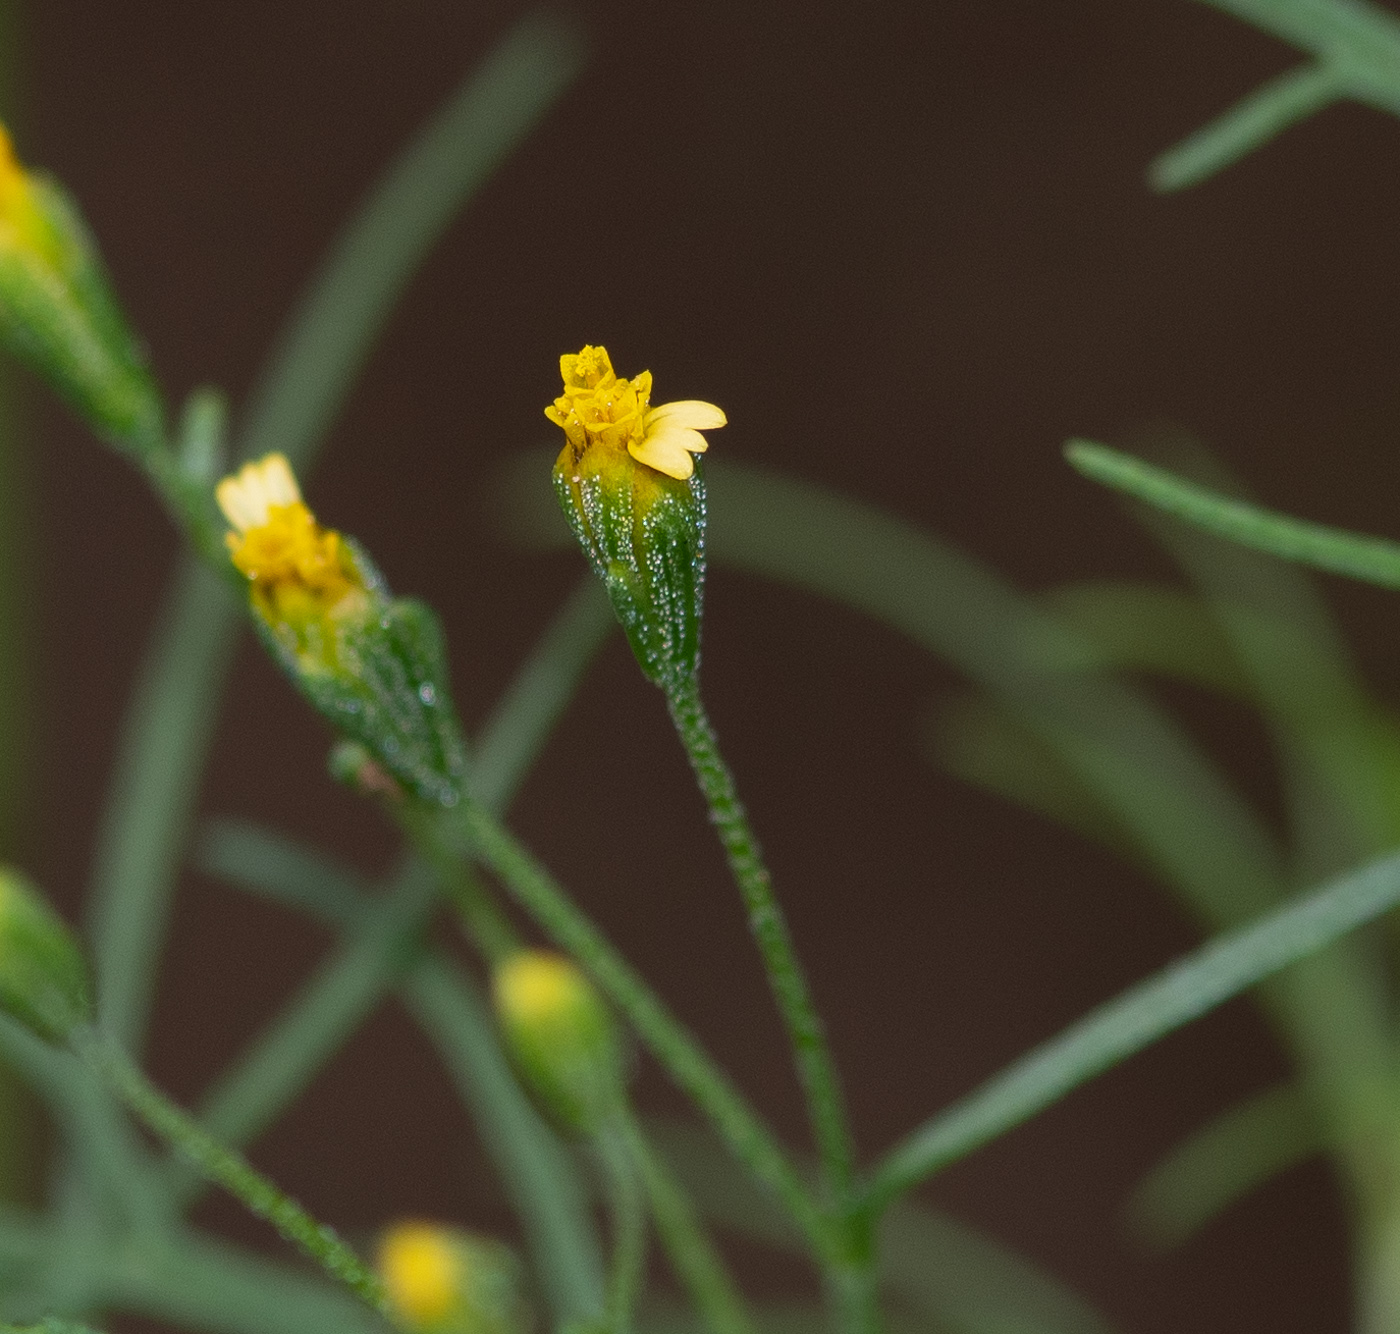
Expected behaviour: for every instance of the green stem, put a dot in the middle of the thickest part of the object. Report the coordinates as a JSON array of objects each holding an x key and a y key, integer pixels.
[
  {"x": 694, "y": 1257},
  {"x": 222, "y": 1165},
  {"x": 817, "y": 1070},
  {"x": 682, "y": 1056},
  {"x": 627, "y": 1206}
]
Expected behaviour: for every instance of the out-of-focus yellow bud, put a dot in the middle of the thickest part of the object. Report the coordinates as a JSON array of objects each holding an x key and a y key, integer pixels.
[
  {"x": 43, "y": 975},
  {"x": 561, "y": 1036},
  {"x": 441, "y": 1280},
  {"x": 58, "y": 313}
]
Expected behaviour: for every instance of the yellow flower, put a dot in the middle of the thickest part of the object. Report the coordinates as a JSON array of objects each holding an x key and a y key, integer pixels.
[
  {"x": 299, "y": 571},
  {"x": 22, "y": 225},
  {"x": 598, "y": 408},
  {"x": 421, "y": 1269}
]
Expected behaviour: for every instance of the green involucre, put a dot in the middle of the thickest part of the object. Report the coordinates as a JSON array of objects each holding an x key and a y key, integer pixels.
[
  {"x": 644, "y": 535},
  {"x": 379, "y": 675}
]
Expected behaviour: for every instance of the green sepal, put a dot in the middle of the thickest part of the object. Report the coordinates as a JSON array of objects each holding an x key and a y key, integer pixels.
[
  {"x": 44, "y": 979},
  {"x": 58, "y": 313},
  {"x": 644, "y": 535},
  {"x": 379, "y": 675}
]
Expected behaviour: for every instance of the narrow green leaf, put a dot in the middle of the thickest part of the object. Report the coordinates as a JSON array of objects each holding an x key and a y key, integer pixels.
[
  {"x": 1224, "y": 1161},
  {"x": 976, "y": 740},
  {"x": 1152, "y": 628},
  {"x": 1140, "y": 1016},
  {"x": 1336, "y": 745},
  {"x": 165, "y": 736},
  {"x": 1372, "y": 559},
  {"x": 326, "y": 342},
  {"x": 1249, "y": 124},
  {"x": 283, "y": 869}
]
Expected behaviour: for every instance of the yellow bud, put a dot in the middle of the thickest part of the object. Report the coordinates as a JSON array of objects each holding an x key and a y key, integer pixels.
[
  {"x": 561, "y": 1036},
  {"x": 442, "y": 1280}
]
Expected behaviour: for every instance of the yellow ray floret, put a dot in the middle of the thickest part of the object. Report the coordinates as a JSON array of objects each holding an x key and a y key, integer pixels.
[
  {"x": 421, "y": 1271},
  {"x": 599, "y": 408},
  {"x": 297, "y": 568}
]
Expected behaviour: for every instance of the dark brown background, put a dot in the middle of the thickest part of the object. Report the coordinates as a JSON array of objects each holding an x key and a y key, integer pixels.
[{"x": 909, "y": 249}]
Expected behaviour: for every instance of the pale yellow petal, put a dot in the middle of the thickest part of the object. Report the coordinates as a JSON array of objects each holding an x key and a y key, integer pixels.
[
  {"x": 246, "y": 496},
  {"x": 279, "y": 484},
  {"x": 669, "y": 452},
  {"x": 691, "y": 412}
]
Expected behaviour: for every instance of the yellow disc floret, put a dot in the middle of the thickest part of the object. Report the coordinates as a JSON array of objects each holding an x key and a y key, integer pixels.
[
  {"x": 599, "y": 408},
  {"x": 422, "y": 1274},
  {"x": 299, "y": 571}
]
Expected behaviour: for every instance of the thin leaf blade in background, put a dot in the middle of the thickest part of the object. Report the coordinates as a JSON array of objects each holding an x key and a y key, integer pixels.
[
  {"x": 1244, "y": 1147},
  {"x": 1175, "y": 996}
]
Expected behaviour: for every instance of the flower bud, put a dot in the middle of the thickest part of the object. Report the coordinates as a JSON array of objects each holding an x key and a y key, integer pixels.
[
  {"x": 373, "y": 664},
  {"x": 561, "y": 1036},
  {"x": 441, "y": 1280},
  {"x": 58, "y": 313},
  {"x": 43, "y": 975},
  {"x": 629, "y": 488}
]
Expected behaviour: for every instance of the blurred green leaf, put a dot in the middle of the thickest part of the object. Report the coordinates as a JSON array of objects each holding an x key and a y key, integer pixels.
[
  {"x": 1374, "y": 560},
  {"x": 1222, "y": 1162},
  {"x": 1357, "y": 45},
  {"x": 981, "y": 743},
  {"x": 1152, "y": 628}
]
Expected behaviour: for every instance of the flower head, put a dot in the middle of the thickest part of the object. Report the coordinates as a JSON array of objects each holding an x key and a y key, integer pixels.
[
  {"x": 441, "y": 1280},
  {"x": 298, "y": 570},
  {"x": 421, "y": 1269},
  {"x": 599, "y": 408}
]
